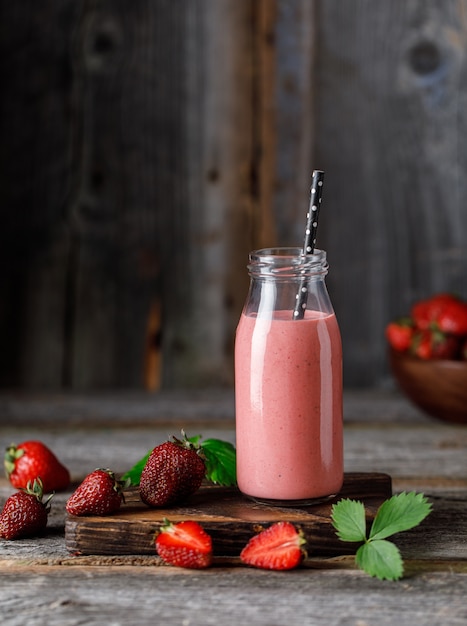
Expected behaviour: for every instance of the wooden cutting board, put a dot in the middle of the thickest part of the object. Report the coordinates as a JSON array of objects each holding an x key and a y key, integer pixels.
[{"x": 228, "y": 516}]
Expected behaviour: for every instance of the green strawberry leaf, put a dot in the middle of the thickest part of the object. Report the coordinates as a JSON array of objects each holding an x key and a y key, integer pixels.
[
  {"x": 134, "y": 474},
  {"x": 377, "y": 556},
  {"x": 381, "y": 559},
  {"x": 221, "y": 462},
  {"x": 348, "y": 518},
  {"x": 399, "y": 513}
]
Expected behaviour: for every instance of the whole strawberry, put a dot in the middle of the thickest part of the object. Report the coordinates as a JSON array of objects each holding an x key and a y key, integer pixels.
[
  {"x": 444, "y": 312},
  {"x": 185, "y": 544},
  {"x": 24, "y": 514},
  {"x": 173, "y": 471},
  {"x": 399, "y": 334},
  {"x": 434, "y": 344},
  {"x": 425, "y": 312},
  {"x": 100, "y": 493},
  {"x": 30, "y": 460}
]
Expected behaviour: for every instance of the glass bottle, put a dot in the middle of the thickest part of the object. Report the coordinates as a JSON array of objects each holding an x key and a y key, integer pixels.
[{"x": 288, "y": 381}]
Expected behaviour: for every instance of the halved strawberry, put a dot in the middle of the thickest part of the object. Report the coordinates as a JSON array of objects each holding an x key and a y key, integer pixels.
[
  {"x": 279, "y": 547},
  {"x": 185, "y": 544}
]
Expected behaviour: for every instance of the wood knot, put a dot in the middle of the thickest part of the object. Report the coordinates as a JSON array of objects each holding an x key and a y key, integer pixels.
[
  {"x": 103, "y": 45},
  {"x": 425, "y": 57},
  {"x": 104, "y": 42}
]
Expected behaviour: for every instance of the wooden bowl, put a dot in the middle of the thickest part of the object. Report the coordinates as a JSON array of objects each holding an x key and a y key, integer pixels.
[{"x": 438, "y": 387}]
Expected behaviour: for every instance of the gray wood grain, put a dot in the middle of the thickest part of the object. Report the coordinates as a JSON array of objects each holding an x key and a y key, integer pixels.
[
  {"x": 147, "y": 148},
  {"x": 72, "y": 596},
  {"x": 390, "y": 85},
  {"x": 210, "y": 405},
  {"x": 126, "y": 189},
  {"x": 41, "y": 583}
]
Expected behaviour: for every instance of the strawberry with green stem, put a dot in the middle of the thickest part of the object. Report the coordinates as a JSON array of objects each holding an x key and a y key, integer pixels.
[
  {"x": 31, "y": 460},
  {"x": 24, "y": 514},
  {"x": 100, "y": 493},
  {"x": 175, "y": 469},
  {"x": 444, "y": 312},
  {"x": 399, "y": 334},
  {"x": 434, "y": 344}
]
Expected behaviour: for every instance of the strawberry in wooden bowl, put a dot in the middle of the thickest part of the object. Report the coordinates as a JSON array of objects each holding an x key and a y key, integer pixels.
[{"x": 428, "y": 356}]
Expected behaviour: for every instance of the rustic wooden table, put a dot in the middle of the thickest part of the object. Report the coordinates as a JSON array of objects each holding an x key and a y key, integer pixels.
[{"x": 42, "y": 583}]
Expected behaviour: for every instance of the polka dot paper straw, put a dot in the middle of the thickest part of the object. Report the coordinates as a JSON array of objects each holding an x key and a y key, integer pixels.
[{"x": 310, "y": 237}]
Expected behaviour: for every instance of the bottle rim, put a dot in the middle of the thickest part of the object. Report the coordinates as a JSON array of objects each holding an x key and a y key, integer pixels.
[
  {"x": 285, "y": 252},
  {"x": 287, "y": 261}
]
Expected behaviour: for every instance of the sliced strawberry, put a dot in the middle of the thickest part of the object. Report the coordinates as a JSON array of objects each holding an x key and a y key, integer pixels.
[
  {"x": 399, "y": 334},
  {"x": 185, "y": 544},
  {"x": 279, "y": 547}
]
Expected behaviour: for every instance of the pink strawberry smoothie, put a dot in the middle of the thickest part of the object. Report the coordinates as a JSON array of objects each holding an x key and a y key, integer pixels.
[{"x": 289, "y": 406}]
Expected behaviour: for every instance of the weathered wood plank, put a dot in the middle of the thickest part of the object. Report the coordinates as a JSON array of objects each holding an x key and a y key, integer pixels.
[
  {"x": 390, "y": 86},
  {"x": 202, "y": 405},
  {"x": 67, "y": 596},
  {"x": 294, "y": 122},
  {"x": 42, "y": 583},
  {"x": 206, "y": 281},
  {"x": 382, "y": 432},
  {"x": 136, "y": 176},
  {"x": 230, "y": 518},
  {"x": 442, "y": 535},
  {"x": 129, "y": 154},
  {"x": 129, "y": 72},
  {"x": 36, "y": 164}
]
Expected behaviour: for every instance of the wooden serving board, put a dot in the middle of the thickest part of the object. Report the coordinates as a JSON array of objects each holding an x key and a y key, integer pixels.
[{"x": 229, "y": 517}]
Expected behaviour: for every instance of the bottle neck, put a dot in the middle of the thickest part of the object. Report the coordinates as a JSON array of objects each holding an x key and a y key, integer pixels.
[
  {"x": 287, "y": 264},
  {"x": 284, "y": 278}
]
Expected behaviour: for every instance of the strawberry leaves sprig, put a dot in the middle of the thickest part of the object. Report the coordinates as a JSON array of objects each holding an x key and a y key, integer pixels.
[
  {"x": 134, "y": 474},
  {"x": 219, "y": 457},
  {"x": 377, "y": 556}
]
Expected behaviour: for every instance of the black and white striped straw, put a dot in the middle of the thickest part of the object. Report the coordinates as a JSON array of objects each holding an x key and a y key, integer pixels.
[{"x": 310, "y": 237}]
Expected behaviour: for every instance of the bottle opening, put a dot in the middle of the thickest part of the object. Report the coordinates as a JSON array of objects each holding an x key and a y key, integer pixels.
[{"x": 290, "y": 262}]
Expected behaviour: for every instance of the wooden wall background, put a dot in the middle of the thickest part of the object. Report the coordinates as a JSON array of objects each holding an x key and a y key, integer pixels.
[{"x": 147, "y": 146}]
